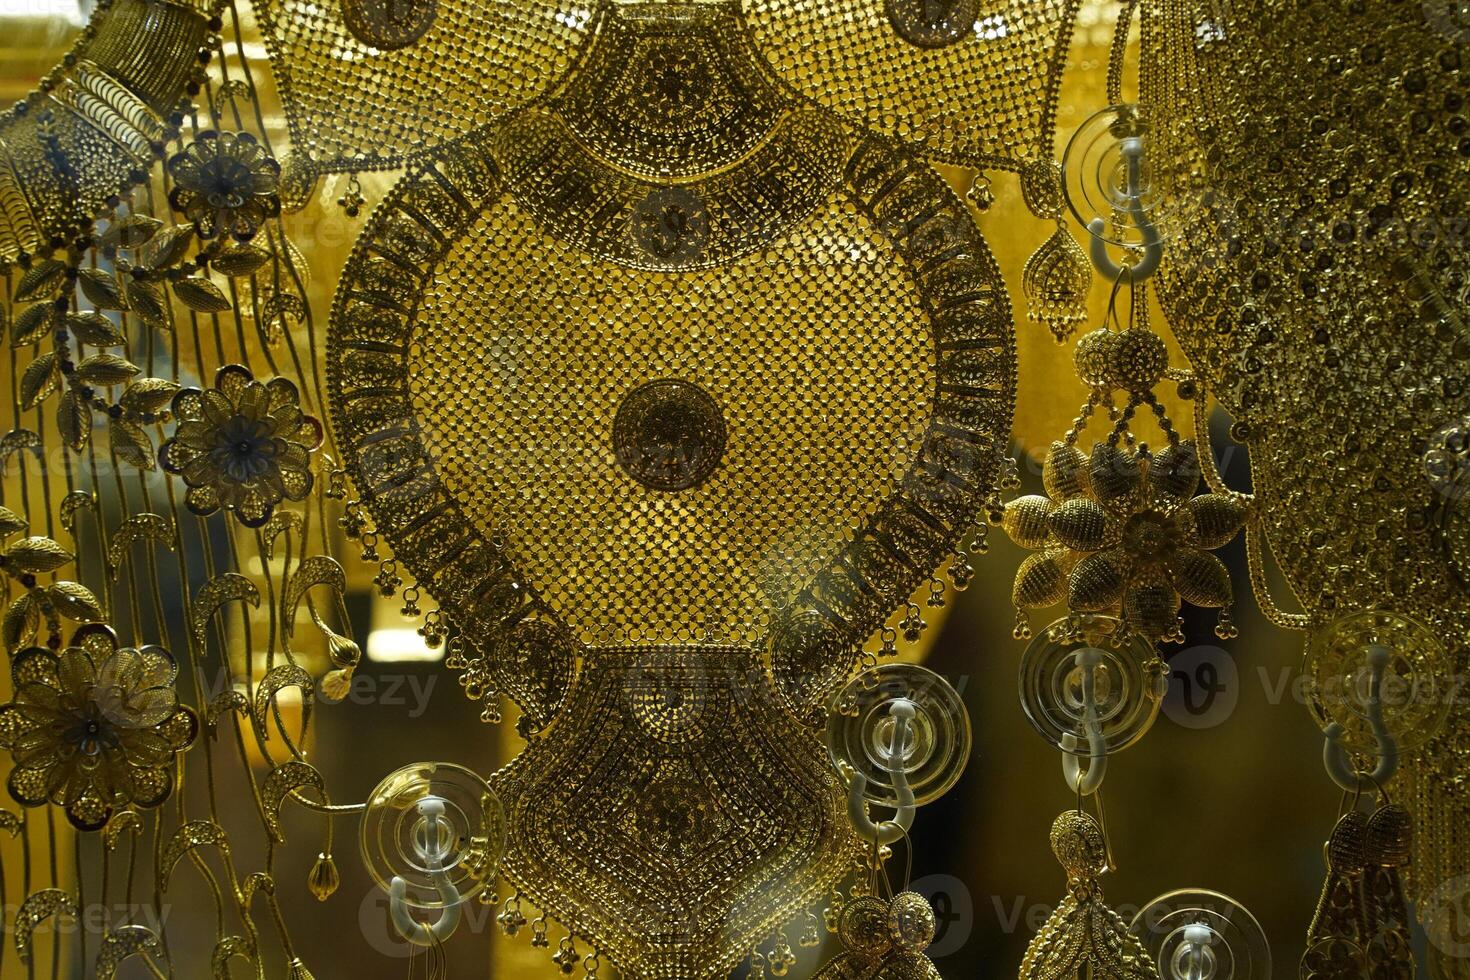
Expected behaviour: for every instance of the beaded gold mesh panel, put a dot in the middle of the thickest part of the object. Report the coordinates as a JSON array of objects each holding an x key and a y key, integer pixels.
[
  {"x": 1318, "y": 281},
  {"x": 675, "y": 812},
  {"x": 973, "y": 81},
  {"x": 620, "y": 556},
  {"x": 366, "y": 83},
  {"x": 591, "y": 408},
  {"x": 557, "y": 495},
  {"x": 353, "y": 103}
]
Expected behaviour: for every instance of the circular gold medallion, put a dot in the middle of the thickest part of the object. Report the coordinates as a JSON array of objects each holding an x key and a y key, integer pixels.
[
  {"x": 669, "y": 435},
  {"x": 932, "y": 23},
  {"x": 389, "y": 24},
  {"x": 671, "y": 224}
]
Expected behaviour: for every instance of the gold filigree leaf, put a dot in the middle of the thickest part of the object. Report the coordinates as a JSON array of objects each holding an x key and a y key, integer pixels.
[
  {"x": 146, "y": 300},
  {"x": 75, "y": 601},
  {"x": 147, "y": 527},
  {"x": 314, "y": 571},
  {"x": 42, "y": 280},
  {"x": 201, "y": 295},
  {"x": 239, "y": 260},
  {"x": 34, "y": 323},
  {"x": 36, "y": 555},
  {"x": 101, "y": 289},
  {"x": 106, "y": 370},
  {"x": 95, "y": 329},
  {"x": 37, "y": 908},
  {"x": 281, "y": 522},
  {"x": 73, "y": 502},
  {"x": 195, "y": 833},
  {"x": 148, "y": 395},
  {"x": 223, "y": 702},
  {"x": 279, "y": 312},
  {"x": 10, "y": 823},
  {"x": 11, "y": 522},
  {"x": 131, "y": 232},
  {"x": 121, "y": 943},
  {"x": 131, "y": 444},
  {"x": 257, "y": 881},
  {"x": 13, "y": 442},
  {"x": 20, "y": 622},
  {"x": 276, "y": 680},
  {"x": 283, "y": 780},
  {"x": 38, "y": 380},
  {"x": 227, "y": 949},
  {"x": 228, "y": 587},
  {"x": 168, "y": 248},
  {"x": 74, "y": 419}
]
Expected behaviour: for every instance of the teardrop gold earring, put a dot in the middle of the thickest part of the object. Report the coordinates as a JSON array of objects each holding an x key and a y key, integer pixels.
[
  {"x": 1335, "y": 938},
  {"x": 1387, "y": 950},
  {"x": 1084, "y": 937}
]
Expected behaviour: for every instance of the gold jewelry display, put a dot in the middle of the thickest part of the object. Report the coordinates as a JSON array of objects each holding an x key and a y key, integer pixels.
[
  {"x": 899, "y": 737},
  {"x": 95, "y": 126},
  {"x": 883, "y": 939},
  {"x": 666, "y": 371},
  {"x": 541, "y": 584}
]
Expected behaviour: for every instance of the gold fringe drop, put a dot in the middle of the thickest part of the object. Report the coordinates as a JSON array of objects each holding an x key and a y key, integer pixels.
[{"x": 1056, "y": 281}]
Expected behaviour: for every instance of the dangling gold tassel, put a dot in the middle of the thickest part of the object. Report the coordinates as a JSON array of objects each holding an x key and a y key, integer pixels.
[{"x": 1056, "y": 280}]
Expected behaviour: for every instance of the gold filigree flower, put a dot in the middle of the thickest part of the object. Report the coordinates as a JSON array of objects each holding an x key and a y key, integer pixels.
[
  {"x": 225, "y": 182},
  {"x": 1122, "y": 533},
  {"x": 94, "y": 728},
  {"x": 242, "y": 445}
]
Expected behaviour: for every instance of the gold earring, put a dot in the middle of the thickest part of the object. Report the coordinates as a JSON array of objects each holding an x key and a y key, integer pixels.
[
  {"x": 883, "y": 940},
  {"x": 1389, "y": 843},
  {"x": 1335, "y": 937},
  {"x": 1084, "y": 937}
]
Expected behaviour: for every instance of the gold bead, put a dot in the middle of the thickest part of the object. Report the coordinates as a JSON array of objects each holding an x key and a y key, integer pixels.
[
  {"x": 1136, "y": 360},
  {"x": 1094, "y": 356},
  {"x": 1040, "y": 581},
  {"x": 1025, "y": 520},
  {"x": 324, "y": 879},
  {"x": 1081, "y": 524},
  {"x": 1065, "y": 472}
]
